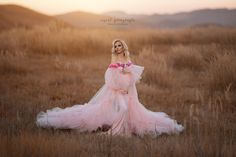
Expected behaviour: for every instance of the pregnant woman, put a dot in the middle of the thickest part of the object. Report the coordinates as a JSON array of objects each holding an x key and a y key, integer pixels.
[{"x": 115, "y": 109}]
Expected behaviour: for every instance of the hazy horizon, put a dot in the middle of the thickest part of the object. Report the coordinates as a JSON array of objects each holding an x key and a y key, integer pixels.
[{"x": 51, "y": 7}]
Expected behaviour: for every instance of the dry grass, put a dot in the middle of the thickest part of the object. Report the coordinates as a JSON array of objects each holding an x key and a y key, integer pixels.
[
  {"x": 189, "y": 74},
  {"x": 222, "y": 72},
  {"x": 186, "y": 57}
]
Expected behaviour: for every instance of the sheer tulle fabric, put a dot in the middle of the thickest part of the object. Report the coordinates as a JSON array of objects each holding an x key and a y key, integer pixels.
[{"x": 121, "y": 112}]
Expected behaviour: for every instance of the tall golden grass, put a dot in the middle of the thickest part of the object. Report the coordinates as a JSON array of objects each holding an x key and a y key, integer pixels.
[{"x": 189, "y": 73}]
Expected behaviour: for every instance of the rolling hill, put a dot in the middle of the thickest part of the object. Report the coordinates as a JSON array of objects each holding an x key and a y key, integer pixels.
[
  {"x": 82, "y": 19},
  {"x": 203, "y": 17},
  {"x": 17, "y": 16},
  {"x": 220, "y": 17}
]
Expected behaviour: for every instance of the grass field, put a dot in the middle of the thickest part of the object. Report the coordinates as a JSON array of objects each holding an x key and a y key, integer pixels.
[{"x": 190, "y": 74}]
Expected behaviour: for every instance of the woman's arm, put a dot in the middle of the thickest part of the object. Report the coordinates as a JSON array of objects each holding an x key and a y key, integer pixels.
[{"x": 125, "y": 71}]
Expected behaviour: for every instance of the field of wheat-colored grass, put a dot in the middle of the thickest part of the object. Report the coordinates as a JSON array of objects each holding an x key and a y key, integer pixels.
[{"x": 190, "y": 74}]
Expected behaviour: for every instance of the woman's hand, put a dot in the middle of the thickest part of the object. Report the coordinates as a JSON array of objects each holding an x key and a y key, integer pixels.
[
  {"x": 124, "y": 71},
  {"x": 124, "y": 92}
]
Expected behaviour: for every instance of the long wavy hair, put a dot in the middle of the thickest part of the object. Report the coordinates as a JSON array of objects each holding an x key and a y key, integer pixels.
[{"x": 125, "y": 49}]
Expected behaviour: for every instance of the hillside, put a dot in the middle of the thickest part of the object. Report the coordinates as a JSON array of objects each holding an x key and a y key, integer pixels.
[
  {"x": 18, "y": 16},
  {"x": 203, "y": 17},
  {"x": 82, "y": 19},
  {"x": 222, "y": 17}
]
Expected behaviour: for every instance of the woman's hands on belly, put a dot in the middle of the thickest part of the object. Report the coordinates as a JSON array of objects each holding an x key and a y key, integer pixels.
[
  {"x": 125, "y": 71},
  {"x": 122, "y": 91}
]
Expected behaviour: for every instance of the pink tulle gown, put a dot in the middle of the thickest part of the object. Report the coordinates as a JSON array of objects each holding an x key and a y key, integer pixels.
[{"x": 113, "y": 108}]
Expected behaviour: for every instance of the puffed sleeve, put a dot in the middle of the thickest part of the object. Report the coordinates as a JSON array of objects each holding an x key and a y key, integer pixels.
[{"x": 136, "y": 72}]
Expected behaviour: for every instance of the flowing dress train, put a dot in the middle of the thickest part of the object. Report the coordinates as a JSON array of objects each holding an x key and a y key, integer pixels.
[{"x": 115, "y": 106}]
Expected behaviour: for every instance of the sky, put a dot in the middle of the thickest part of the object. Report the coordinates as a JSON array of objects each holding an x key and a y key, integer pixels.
[{"x": 54, "y": 7}]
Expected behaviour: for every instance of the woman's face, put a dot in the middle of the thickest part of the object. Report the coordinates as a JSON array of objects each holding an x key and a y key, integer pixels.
[{"x": 118, "y": 47}]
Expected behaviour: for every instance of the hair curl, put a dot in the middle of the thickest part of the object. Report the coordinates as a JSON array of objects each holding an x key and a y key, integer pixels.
[{"x": 125, "y": 47}]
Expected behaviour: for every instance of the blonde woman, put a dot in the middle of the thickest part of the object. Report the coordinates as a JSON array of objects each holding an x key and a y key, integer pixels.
[{"x": 115, "y": 109}]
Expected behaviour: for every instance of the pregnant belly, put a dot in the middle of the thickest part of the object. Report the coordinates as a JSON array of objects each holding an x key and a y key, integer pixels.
[{"x": 124, "y": 81}]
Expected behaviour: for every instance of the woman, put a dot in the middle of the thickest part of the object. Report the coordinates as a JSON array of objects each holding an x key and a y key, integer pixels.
[{"x": 115, "y": 109}]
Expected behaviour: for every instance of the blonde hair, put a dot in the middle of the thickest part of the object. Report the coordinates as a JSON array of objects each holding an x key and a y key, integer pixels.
[{"x": 114, "y": 54}]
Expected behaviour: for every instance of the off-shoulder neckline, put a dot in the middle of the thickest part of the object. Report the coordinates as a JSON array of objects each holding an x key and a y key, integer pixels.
[{"x": 119, "y": 64}]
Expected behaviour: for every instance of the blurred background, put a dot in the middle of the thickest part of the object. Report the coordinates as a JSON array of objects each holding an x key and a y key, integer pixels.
[{"x": 55, "y": 54}]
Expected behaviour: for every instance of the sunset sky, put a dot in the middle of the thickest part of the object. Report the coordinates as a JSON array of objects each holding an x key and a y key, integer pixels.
[{"x": 53, "y": 7}]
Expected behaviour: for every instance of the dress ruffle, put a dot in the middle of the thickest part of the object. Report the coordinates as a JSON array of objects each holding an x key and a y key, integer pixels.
[{"x": 120, "y": 112}]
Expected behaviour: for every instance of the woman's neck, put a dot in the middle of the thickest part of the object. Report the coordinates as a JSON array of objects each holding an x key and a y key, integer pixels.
[{"x": 121, "y": 58}]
